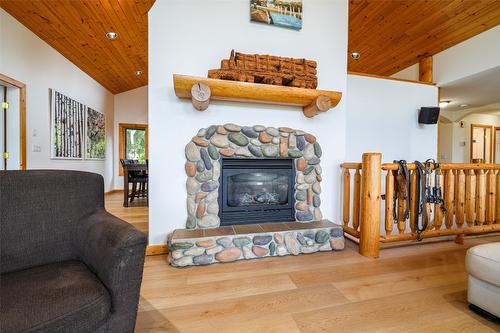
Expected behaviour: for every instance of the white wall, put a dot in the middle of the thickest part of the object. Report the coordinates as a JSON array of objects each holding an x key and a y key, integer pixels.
[
  {"x": 459, "y": 149},
  {"x": 476, "y": 54},
  {"x": 130, "y": 107},
  {"x": 472, "y": 56},
  {"x": 30, "y": 60},
  {"x": 382, "y": 116},
  {"x": 197, "y": 42},
  {"x": 12, "y": 128},
  {"x": 409, "y": 73},
  {"x": 446, "y": 142}
]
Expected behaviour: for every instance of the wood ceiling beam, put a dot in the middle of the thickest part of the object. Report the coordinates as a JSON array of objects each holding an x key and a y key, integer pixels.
[{"x": 425, "y": 70}]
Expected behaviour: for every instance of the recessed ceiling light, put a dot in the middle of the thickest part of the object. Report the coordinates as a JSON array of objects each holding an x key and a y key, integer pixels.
[
  {"x": 138, "y": 73},
  {"x": 464, "y": 105},
  {"x": 111, "y": 35},
  {"x": 355, "y": 55},
  {"x": 443, "y": 104}
]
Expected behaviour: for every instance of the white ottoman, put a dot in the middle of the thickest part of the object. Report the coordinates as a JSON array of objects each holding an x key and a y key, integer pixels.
[{"x": 483, "y": 266}]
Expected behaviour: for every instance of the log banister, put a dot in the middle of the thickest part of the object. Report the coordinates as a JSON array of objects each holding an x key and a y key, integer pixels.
[
  {"x": 444, "y": 166},
  {"x": 370, "y": 205},
  {"x": 471, "y": 195}
]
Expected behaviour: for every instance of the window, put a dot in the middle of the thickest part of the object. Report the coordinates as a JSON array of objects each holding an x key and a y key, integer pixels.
[{"x": 133, "y": 143}]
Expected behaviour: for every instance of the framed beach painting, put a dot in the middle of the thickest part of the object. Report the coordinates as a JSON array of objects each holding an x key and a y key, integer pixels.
[
  {"x": 95, "y": 135},
  {"x": 283, "y": 13},
  {"x": 67, "y": 127}
]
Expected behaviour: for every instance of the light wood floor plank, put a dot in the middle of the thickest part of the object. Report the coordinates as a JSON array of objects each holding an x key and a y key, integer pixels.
[
  {"x": 136, "y": 215},
  {"x": 395, "y": 313},
  {"x": 420, "y": 288},
  {"x": 166, "y": 297},
  {"x": 239, "y": 314}
]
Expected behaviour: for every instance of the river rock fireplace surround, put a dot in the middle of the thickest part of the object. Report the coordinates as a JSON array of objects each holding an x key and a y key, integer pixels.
[{"x": 266, "y": 179}]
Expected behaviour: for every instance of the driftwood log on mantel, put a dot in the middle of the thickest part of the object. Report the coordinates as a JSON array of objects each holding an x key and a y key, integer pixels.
[
  {"x": 313, "y": 101},
  {"x": 267, "y": 69}
]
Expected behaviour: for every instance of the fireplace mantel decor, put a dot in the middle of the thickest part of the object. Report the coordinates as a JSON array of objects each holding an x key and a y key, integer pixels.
[
  {"x": 215, "y": 144},
  {"x": 202, "y": 90}
]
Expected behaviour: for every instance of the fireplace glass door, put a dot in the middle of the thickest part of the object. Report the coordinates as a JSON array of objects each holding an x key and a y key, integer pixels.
[
  {"x": 256, "y": 191},
  {"x": 258, "y": 188}
]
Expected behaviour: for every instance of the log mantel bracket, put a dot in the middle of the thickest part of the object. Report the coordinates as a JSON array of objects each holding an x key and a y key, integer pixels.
[{"x": 202, "y": 90}]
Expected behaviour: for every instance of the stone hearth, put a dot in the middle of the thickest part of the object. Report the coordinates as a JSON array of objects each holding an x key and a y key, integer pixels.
[
  {"x": 227, "y": 244},
  {"x": 210, "y": 145}
]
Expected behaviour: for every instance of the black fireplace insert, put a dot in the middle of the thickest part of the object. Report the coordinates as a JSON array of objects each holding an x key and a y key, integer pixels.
[{"x": 256, "y": 191}]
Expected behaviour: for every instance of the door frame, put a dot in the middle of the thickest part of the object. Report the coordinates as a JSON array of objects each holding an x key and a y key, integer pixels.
[
  {"x": 121, "y": 141},
  {"x": 10, "y": 82},
  {"x": 491, "y": 137}
]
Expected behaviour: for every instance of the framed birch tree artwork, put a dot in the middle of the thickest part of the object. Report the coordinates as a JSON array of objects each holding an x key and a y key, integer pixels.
[
  {"x": 68, "y": 120},
  {"x": 95, "y": 135}
]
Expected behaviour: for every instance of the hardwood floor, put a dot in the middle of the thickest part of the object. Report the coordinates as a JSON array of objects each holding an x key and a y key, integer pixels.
[
  {"x": 136, "y": 214},
  {"x": 409, "y": 289}
]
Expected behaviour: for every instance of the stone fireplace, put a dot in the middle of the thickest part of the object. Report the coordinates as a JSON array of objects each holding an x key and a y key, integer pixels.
[
  {"x": 252, "y": 192},
  {"x": 241, "y": 175}
]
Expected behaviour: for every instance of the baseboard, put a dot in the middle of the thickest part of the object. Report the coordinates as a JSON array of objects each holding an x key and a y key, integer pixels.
[{"x": 153, "y": 250}]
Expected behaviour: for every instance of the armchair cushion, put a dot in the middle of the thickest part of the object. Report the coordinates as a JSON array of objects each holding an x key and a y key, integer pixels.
[
  {"x": 483, "y": 262},
  {"x": 57, "y": 297}
]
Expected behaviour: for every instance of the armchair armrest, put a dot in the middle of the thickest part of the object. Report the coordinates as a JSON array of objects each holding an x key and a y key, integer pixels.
[{"x": 115, "y": 251}]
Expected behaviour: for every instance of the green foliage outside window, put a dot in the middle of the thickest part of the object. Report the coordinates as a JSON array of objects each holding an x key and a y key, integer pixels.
[{"x": 135, "y": 145}]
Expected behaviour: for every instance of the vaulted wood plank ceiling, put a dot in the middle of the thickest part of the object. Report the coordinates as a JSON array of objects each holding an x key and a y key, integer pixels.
[
  {"x": 77, "y": 29},
  {"x": 391, "y": 35}
]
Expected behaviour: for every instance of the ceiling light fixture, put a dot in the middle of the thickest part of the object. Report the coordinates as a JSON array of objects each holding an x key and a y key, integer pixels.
[
  {"x": 464, "y": 105},
  {"x": 138, "y": 73},
  {"x": 111, "y": 35},
  {"x": 355, "y": 55},
  {"x": 443, "y": 104}
]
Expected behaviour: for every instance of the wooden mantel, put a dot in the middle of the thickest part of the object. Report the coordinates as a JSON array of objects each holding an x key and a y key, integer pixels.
[{"x": 312, "y": 101}]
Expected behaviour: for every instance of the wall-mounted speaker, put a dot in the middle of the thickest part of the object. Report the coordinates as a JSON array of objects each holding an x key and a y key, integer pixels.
[{"x": 428, "y": 115}]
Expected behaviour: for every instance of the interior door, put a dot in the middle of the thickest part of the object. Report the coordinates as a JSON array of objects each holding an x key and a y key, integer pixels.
[
  {"x": 9, "y": 129},
  {"x": 487, "y": 145},
  {"x": 480, "y": 144},
  {"x": 477, "y": 143}
]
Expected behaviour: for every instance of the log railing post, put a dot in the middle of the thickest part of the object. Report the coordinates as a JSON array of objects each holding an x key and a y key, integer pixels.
[
  {"x": 357, "y": 200},
  {"x": 347, "y": 197},
  {"x": 369, "y": 240},
  {"x": 389, "y": 201},
  {"x": 413, "y": 200},
  {"x": 470, "y": 197},
  {"x": 497, "y": 200},
  {"x": 481, "y": 197},
  {"x": 490, "y": 196},
  {"x": 460, "y": 198},
  {"x": 438, "y": 212},
  {"x": 449, "y": 195}
]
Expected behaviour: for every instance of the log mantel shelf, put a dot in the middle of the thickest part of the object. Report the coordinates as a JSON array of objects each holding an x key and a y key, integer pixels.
[{"x": 201, "y": 90}]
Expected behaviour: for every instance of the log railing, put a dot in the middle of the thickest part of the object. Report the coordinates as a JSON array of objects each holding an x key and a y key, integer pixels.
[{"x": 471, "y": 203}]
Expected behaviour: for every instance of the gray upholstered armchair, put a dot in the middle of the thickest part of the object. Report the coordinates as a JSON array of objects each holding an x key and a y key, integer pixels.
[{"x": 66, "y": 265}]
